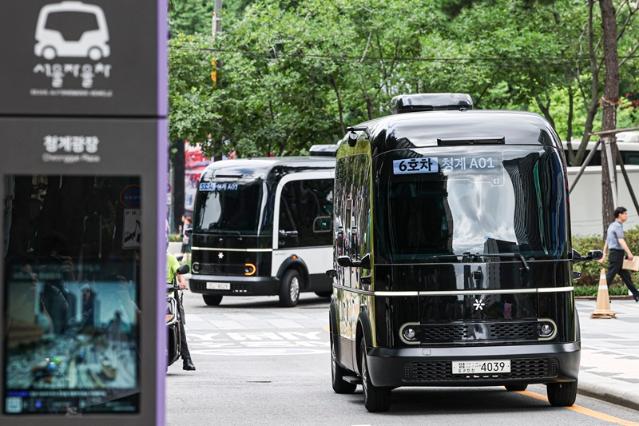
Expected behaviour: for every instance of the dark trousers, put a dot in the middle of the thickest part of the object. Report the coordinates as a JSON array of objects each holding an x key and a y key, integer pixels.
[
  {"x": 186, "y": 355},
  {"x": 615, "y": 264}
]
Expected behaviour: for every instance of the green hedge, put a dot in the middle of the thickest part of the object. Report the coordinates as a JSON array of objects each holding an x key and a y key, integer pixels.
[
  {"x": 591, "y": 290},
  {"x": 590, "y": 270}
]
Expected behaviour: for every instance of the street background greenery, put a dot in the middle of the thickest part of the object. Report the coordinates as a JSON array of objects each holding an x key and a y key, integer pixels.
[
  {"x": 587, "y": 283},
  {"x": 293, "y": 73}
]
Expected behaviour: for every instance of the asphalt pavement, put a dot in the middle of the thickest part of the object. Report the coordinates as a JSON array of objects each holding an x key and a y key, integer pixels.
[{"x": 258, "y": 363}]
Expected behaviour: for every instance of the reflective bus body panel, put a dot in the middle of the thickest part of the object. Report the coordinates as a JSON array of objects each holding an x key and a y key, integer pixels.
[{"x": 474, "y": 307}]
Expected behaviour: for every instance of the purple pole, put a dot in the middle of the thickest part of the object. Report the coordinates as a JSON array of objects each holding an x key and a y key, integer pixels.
[{"x": 162, "y": 182}]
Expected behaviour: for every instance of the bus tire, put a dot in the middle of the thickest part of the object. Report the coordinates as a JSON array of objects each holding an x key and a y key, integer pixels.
[
  {"x": 516, "y": 387},
  {"x": 376, "y": 399},
  {"x": 562, "y": 394},
  {"x": 324, "y": 294},
  {"x": 212, "y": 299},
  {"x": 338, "y": 372},
  {"x": 290, "y": 288}
]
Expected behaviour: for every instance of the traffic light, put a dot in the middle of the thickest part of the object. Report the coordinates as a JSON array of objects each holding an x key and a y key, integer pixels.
[{"x": 214, "y": 71}]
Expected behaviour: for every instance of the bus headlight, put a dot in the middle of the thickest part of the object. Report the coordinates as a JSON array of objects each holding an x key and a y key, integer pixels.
[
  {"x": 546, "y": 329},
  {"x": 249, "y": 269},
  {"x": 409, "y": 333},
  {"x": 195, "y": 267}
]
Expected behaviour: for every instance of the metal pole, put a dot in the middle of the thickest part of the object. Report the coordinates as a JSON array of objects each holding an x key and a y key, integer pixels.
[
  {"x": 587, "y": 161},
  {"x": 216, "y": 26},
  {"x": 612, "y": 170}
]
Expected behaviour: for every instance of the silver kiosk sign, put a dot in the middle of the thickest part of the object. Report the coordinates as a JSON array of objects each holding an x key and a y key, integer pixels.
[{"x": 83, "y": 135}]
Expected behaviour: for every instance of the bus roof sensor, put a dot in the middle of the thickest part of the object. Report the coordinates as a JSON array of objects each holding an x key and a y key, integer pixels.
[
  {"x": 471, "y": 141},
  {"x": 431, "y": 102}
]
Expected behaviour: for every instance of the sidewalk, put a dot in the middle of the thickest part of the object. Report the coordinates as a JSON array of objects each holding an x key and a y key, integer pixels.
[{"x": 610, "y": 353}]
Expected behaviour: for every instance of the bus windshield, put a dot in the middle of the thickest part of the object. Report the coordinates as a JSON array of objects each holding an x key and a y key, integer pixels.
[
  {"x": 229, "y": 207},
  {"x": 438, "y": 203}
]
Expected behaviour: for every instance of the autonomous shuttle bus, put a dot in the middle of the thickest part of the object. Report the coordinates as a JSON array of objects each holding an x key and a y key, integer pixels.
[
  {"x": 264, "y": 227},
  {"x": 452, "y": 255}
]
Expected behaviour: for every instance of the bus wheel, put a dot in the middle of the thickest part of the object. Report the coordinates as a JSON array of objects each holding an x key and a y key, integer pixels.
[
  {"x": 562, "y": 394},
  {"x": 324, "y": 293},
  {"x": 337, "y": 374},
  {"x": 212, "y": 299},
  {"x": 516, "y": 387},
  {"x": 376, "y": 399},
  {"x": 290, "y": 288}
]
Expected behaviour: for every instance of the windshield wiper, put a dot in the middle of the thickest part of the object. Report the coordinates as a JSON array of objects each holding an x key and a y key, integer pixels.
[{"x": 513, "y": 255}]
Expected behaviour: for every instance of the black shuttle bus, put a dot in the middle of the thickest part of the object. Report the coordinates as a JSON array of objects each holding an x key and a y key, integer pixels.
[
  {"x": 452, "y": 254},
  {"x": 263, "y": 226}
]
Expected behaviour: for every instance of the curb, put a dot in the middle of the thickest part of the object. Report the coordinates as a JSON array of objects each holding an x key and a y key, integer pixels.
[
  {"x": 608, "y": 393},
  {"x": 611, "y": 298}
]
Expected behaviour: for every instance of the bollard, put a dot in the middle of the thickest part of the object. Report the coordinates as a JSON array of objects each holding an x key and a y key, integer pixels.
[{"x": 602, "y": 310}]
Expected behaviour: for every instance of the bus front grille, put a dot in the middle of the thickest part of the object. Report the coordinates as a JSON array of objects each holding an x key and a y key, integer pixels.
[
  {"x": 223, "y": 269},
  {"x": 442, "y": 371},
  {"x": 477, "y": 332}
]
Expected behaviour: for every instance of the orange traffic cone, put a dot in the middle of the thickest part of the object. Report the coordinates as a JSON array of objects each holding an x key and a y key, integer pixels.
[{"x": 603, "y": 299}]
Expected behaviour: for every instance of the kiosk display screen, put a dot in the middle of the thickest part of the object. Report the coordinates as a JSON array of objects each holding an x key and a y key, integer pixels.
[{"x": 71, "y": 262}]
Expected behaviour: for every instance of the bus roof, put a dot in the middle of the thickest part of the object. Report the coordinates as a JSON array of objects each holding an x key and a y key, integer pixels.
[
  {"x": 423, "y": 129},
  {"x": 262, "y": 166}
]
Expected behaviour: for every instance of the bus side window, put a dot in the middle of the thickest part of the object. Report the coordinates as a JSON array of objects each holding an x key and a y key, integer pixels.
[
  {"x": 306, "y": 207},
  {"x": 630, "y": 158}
]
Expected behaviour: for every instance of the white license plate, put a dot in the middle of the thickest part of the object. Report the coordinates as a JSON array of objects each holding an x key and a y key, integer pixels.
[
  {"x": 489, "y": 366},
  {"x": 218, "y": 286}
]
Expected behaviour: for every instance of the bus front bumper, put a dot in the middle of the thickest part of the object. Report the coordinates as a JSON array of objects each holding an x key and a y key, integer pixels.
[
  {"x": 237, "y": 285},
  {"x": 539, "y": 363}
]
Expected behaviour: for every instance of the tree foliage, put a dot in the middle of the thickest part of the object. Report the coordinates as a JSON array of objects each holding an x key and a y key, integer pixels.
[{"x": 292, "y": 73}]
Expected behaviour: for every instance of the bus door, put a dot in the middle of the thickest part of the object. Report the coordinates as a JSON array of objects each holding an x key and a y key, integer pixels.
[
  {"x": 361, "y": 278},
  {"x": 303, "y": 224}
]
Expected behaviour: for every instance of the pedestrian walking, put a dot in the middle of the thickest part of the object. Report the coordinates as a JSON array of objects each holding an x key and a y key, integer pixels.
[{"x": 615, "y": 249}]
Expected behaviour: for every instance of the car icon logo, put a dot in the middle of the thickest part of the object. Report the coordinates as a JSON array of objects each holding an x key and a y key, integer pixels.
[{"x": 72, "y": 29}]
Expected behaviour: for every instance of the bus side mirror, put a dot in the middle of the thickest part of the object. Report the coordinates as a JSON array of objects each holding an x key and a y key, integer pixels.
[
  {"x": 595, "y": 255},
  {"x": 352, "y": 138},
  {"x": 576, "y": 256},
  {"x": 365, "y": 261},
  {"x": 184, "y": 269},
  {"x": 344, "y": 261},
  {"x": 592, "y": 255}
]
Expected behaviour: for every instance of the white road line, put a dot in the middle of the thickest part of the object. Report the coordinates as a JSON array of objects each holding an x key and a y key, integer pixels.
[
  {"x": 284, "y": 324},
  {"x": 227, "y": 325}
]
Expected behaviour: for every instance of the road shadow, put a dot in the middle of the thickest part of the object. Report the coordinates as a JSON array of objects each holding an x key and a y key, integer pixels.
[
  {"x": 420, "y": 401},
  {"x": 267, "y": 302}
]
